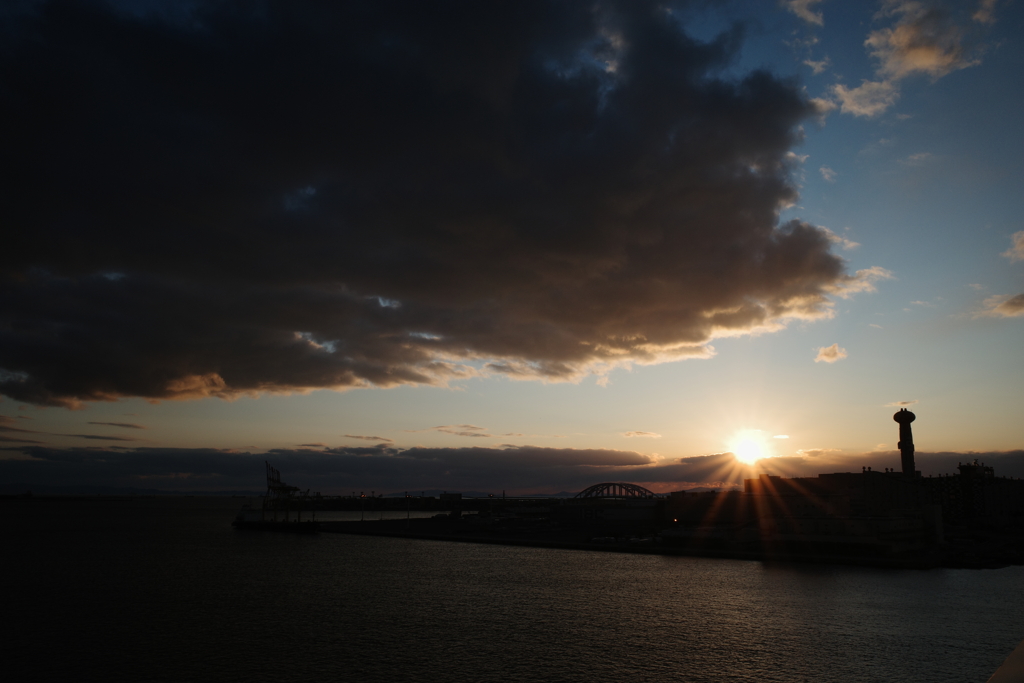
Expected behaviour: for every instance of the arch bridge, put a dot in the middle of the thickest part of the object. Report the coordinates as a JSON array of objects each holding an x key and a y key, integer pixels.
[{"x": 616, "y": 490}]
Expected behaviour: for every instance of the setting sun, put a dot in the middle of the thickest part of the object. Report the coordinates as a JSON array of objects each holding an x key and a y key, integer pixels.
[{"x": 748, "y": 446}]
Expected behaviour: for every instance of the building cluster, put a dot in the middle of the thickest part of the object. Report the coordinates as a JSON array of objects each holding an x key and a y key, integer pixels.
[{"x": 868, "y": 513}]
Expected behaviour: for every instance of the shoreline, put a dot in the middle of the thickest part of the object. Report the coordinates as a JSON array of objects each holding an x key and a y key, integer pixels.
[{"x": 376, "y": 528}]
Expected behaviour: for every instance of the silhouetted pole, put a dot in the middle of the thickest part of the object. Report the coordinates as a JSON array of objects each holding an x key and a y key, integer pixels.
[{"x": 906, "y": 444}]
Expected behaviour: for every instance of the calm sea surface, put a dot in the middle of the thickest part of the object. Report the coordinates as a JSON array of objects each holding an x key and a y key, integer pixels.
[{"x": 163, "y": 589}]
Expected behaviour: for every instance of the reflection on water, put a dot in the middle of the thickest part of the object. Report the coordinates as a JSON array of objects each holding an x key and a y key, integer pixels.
[{"x": 164, "y": 589}]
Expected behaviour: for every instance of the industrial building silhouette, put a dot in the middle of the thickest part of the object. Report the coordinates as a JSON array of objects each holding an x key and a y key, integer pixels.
[
  {"x": 870, "y": 514},
  {"x": 890, "y": 518}
]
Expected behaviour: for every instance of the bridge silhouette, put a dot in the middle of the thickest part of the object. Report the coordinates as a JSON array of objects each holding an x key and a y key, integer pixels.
[{"x": 615, "y": 490}]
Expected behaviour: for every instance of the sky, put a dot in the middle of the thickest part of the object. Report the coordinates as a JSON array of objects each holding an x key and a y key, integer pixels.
[{"x": 522, "y": 246}]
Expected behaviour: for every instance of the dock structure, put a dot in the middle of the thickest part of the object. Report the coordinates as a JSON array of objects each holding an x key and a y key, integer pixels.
[
  {"x": 275, "y": 513},
  {"x": 282, "y": 498}
]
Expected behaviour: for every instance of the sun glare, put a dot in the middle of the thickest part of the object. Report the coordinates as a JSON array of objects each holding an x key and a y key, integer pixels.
[{"x": 748, "y": 446}]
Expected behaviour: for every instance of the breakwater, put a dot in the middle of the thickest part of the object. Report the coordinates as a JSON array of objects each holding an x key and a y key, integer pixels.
[{"x": 468, "y": 531}]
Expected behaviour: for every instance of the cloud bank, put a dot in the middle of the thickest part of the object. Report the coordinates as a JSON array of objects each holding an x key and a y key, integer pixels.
[
  {"x": 518, "y": 469},
  {"x": 236, "y": 199}
]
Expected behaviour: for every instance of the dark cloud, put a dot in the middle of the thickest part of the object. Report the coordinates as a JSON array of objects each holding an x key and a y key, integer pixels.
[
  {"x": 464, "y": 430},
  {"x": 126, "y": 425},
  {"x": 217, "y": 198},
  {"x": 508, "y": 467},
  {"x": 16, "y": 437},
  {"x": 6, "y": 422},
  {"x": 99, "y": 437},
  {"x": 333, "y": 469},
  {"x": 101, "y": 466},
  {"x": 368, "y": 438},
  {"x": 5, "y": 426},
  {"x": 461, "y": 430}
]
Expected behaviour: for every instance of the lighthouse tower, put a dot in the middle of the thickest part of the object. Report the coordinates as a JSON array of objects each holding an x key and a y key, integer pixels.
[{"x": 906, "y": 444}]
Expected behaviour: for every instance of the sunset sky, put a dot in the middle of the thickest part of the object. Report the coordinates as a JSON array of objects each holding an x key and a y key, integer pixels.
[{"x": 527, "y": 246}]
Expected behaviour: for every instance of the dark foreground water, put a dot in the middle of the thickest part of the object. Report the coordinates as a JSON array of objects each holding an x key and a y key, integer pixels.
[{"x": 164, "y": 590}]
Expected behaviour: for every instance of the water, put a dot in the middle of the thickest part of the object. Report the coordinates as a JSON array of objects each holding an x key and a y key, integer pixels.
[{"x": 164, "y": 590}]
